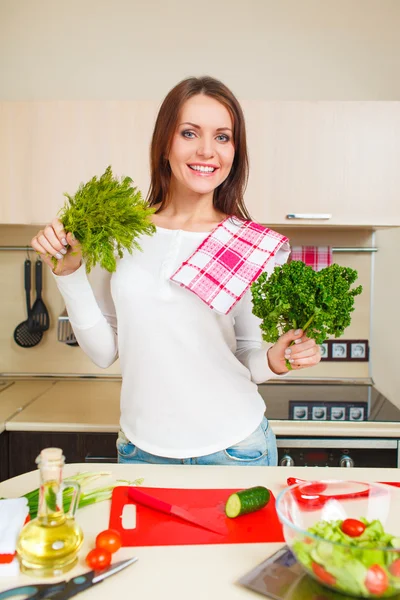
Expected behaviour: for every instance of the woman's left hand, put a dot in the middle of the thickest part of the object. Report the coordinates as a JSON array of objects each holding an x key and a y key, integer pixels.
[{"x": 303, "y": 353}]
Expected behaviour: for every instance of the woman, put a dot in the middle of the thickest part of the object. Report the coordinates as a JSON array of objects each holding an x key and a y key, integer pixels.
[{"x": 189, "y": 373}]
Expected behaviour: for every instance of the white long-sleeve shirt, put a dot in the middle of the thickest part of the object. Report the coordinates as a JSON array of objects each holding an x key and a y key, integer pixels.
[{"x": 189, "y": 374}]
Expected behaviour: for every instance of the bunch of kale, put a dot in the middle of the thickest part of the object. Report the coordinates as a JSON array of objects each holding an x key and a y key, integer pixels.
[{"x": 297, "y": 297}]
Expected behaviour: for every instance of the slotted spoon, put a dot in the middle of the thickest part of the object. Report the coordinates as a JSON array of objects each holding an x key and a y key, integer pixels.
[{"x": 22, "y": 336}]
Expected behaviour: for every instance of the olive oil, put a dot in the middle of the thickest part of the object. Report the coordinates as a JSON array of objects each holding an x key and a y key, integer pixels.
[{"x": 48, "y": 545}]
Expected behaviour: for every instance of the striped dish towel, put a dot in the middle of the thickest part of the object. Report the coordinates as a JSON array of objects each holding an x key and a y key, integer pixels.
[
  {"x": 317, "y": 257},
  {"x": 227, "y": 262}
]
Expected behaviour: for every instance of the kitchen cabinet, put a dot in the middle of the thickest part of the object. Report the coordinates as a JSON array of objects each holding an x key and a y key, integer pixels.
[
  {"x": 50, "y": 148},
  {"x": 306, "y": 158},
  {"x": 4, "y": 456},
  {"x": 336, "y": 163},
  {"x": 25, "y": 446}
]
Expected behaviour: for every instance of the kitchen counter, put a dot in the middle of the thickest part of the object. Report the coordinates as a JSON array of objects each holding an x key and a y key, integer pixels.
[
  {"x": 93, "y": 406},
  {"x": 78, "y": 406},
  {"x": 181, "y": 572},
  {"x": 15, "y": 396}
]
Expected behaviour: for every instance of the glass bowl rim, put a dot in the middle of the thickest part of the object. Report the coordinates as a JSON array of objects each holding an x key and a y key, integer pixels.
[{"x": 318, "y": 538}]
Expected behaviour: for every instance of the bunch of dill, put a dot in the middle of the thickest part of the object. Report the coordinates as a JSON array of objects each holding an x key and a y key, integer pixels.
[{"x": 107, "y": 215}]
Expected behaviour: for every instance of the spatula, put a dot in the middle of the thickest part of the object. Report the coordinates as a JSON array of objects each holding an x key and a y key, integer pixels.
[
  {"x": 65, "y": 333},
  {"x": 22, "y": 336},
  {"x": 39, "y": 318}
]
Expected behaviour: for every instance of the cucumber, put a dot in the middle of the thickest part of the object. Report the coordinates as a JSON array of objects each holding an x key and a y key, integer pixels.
[{"x": 247, "y": 501}]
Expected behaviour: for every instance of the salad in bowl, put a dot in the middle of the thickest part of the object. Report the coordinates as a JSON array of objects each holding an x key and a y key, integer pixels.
[{"x": 345, "y": 534}]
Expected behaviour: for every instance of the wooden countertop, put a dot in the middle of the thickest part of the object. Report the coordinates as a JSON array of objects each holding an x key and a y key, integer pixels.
[
  {"x": 15, "y": 396},
  {"x": 182, "y": 572},
  {"x": 93, "y": 406}
]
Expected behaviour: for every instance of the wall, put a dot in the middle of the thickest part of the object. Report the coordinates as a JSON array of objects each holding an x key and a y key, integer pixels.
[
  {"x": 51, "y": 356},
  {"x": 385, "y": 326},
  {"x": 138, "y": 49}
]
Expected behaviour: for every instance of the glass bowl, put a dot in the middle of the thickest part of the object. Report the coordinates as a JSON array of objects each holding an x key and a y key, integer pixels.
[{"x": 361, "y": 563}]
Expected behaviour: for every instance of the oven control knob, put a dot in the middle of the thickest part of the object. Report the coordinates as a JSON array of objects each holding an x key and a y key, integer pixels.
[
  {"x": 286, "y": 461},
  {"x": 346, "y": 461}
]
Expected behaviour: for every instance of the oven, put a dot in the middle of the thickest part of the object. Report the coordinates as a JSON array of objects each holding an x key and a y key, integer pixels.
[
  {"x": 332, "y": 423},
  {"x": 338, "y": 452}
]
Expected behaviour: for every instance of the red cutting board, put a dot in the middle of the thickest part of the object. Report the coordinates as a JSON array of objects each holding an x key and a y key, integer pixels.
[{"x": 154, "y": 528}]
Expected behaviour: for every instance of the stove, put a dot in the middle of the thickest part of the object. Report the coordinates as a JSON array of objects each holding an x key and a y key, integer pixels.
[
  {"x": 332, "y": 402},
  {"x": 327, "y": 402}
]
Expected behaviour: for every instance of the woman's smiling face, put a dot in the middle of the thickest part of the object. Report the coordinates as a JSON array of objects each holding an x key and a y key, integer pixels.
[{"x": 202, "y": 149}]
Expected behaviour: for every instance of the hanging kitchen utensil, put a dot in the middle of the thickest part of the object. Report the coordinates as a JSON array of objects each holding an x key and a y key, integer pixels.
[
  {"x": 65, "y": 333},
  {"x": 22, "y": 336},
  {"x": 39, "y": 317}
]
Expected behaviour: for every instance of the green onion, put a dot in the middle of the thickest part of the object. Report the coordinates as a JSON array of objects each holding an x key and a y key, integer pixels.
[{"x": 86, "y": 498}]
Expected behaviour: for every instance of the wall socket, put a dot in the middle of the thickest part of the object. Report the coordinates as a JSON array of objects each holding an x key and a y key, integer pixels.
[{"x": 345, "y": 350}]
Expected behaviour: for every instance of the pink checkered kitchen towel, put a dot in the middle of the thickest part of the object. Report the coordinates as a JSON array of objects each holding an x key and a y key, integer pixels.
[
  {"x": 227, "y": 262},
  {"x": 317, "y": 257}
]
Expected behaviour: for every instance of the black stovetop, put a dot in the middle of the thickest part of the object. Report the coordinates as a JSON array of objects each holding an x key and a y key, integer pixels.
[{"x": 327, "y": 402}]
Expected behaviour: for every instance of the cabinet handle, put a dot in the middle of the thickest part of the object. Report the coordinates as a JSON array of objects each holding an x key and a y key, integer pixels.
[
  {"x": 315, "y": 216},
  {"x": 100, "y": 459}
]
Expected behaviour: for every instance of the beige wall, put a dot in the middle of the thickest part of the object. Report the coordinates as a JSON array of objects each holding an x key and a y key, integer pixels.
[
  {"x": 51, "y": 356},
  {"x": 386, "y": 315},
  {"x": 138, "y": 49},
  {"x": 133, "y": 50}
]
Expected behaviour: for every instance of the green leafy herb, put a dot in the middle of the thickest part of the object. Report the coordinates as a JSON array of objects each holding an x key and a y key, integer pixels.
[
  {"x": 107, "y": 215},
  {"x": 297, "y": 297},
  {"x": 51, "y": 498}
]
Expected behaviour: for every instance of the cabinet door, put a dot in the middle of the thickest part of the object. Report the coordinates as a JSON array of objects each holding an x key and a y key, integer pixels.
[
  {"x": 324, "y": 158},
  {"x": 3, "y": 455},
  {"x": 319, "y": 158},
  {"x": 49, "y": 148},
  {"x": 25, "y": 446}
]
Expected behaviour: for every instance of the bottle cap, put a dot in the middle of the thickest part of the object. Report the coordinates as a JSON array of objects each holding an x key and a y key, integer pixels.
[
  {"x": 54, "y": 456},
  {"x": 51, "y": 454}
]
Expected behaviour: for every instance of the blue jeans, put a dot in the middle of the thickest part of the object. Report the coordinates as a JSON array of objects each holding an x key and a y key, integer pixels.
[{"x": 259, "y": 449}]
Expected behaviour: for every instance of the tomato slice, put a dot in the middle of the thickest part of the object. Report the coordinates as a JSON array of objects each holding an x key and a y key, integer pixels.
[
  {"x": 98, "y": 559},
  {"x": 353, "y": 527},
  {"x": 109, "y": 540},
  {"x": 376, "y": 580},
  {"x": 322, "y": 574},
  {"x": 395, "y": 568}
]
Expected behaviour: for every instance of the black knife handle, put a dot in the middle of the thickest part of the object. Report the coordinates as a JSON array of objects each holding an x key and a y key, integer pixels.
[
  {"x": 28, "y": 285},
  {"x": 76, "y": 585},
  {"x": 38, "y": 277}
]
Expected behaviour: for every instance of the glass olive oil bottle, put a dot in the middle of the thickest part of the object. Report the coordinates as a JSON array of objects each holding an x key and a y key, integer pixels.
[{"x": 48, "y": 545}]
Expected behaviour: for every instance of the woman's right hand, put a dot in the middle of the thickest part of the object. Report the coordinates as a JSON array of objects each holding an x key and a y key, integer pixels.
[{"x": 54, "y": 241}]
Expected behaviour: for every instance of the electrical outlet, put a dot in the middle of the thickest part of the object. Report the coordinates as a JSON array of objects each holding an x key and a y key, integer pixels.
[{"x": 345, "y": 350}]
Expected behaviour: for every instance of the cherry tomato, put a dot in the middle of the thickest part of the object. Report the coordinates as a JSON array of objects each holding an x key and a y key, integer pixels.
[
  {"x": 376, "y": 580},
  {"x": 353, "y": 527},
  {"x": 395, "y": 568},
  {"x": 308, "y": 540},
  {"x": 109, "y": 540},
  {"x": 98, "y": 559},
  {"x": 322, "y": 574}
]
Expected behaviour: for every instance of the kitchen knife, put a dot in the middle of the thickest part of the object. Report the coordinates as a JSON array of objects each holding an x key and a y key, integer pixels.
[{"x": 170, "y": 509}]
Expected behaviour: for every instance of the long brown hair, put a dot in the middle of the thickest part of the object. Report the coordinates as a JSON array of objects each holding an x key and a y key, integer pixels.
[{"x": 228, "y": 197}]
